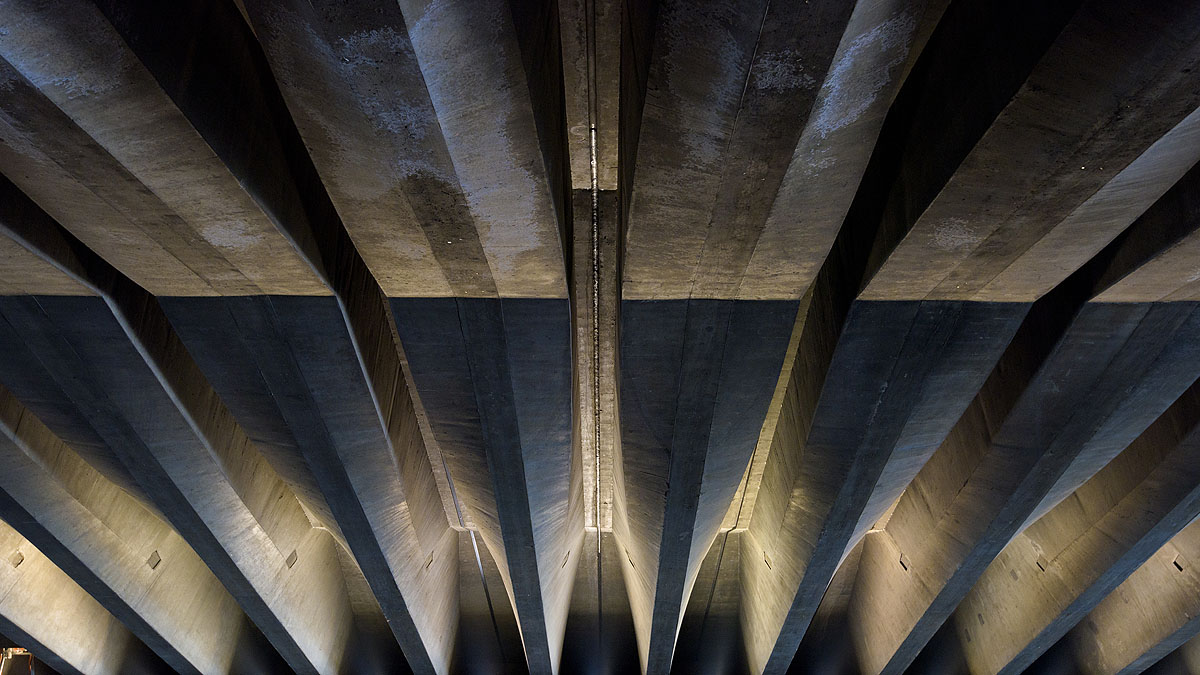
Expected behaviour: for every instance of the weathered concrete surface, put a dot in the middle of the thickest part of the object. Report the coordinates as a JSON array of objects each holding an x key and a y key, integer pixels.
[
  {"x": 724, "y": 160},
  {"x": 190, "y": 49},
  {"x": 475, "y": 60},
  {"x": 1063, "y": 152},
  {"x": 408, "y": 149},
  {"x": 591, "y": 54},
  {"x": 722, "y": 88},
  {"x": 120, "y": 131}
]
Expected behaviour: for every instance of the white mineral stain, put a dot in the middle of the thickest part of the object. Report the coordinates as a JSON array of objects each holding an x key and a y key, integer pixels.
[
  {"x": 782, "y": 71},
  {"x": 954, "y": 234},
  {"x": 231, "y": 235},
  {"x": 861, "y": 72}
]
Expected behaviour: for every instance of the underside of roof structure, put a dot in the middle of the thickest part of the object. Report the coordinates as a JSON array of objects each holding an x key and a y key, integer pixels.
[{"x": 600, "y": 336}]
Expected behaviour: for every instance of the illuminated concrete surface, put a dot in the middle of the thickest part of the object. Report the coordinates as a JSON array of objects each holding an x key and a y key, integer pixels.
[{"x": 591, "y": 336}]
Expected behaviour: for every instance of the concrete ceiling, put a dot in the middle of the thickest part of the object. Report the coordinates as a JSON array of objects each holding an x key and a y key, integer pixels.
[{"x": 600, "y": 336}]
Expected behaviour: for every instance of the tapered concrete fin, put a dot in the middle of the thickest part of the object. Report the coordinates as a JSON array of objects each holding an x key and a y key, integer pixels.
[
  {"x": 495, "y": 377},
  {"x": 117, "y": 359},
  {"x": 1060, "y": 392},
  {"x": 724, "y": 83}
]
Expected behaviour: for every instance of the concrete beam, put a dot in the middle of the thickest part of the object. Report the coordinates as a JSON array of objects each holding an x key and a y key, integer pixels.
[
  {"x": 1150, "y": 615},
  {"x": 358, "y": 425},
  {"x": 114, "y": 127},
  {"x": 479, "y": 68},
  {"x": 1063, "y": 565},
  {"x": 116, "y": 358},
  {"x": 1017, "y": 216},
  {"x": 282, "y": 364},
  {"x": 726, "y": 101},
  {"x": 696, "y": 379},
  {"x": 495, "y": 377},
  {"x": 591, "y": 55},
  {"x": 1077, "y": 384},
  {"x": 722, "y": 86},
  {"x": 354, "y": 86},
  {"x": 910, "y": 368},
  {"x": 765, "y": 108},
  {"x": 906, "y": 170},
  {"x": 56, "y": 620},
  {"x": 141, "y": 570}
]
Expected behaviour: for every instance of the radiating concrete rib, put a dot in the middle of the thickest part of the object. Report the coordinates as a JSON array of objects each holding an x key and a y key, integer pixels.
[
  {"x": 923, "y": 167},
  {"x": 696, "y": 378},
  {"x": 1078, "y": 379},
  {"x": 118, "y": 130},
  {"x": 495, "y": 377},
  {"x": 1063, "y": 565},
  {"x": 1149, "y": 283},
  {"x": 725, "y": 83},
  {"x": 143, "y": 572},
  {"x": 727, "y": 98},
  {"x": 58, "y": 621},
  {"x": 353, "y": 85},
  {"x": 472, "y": 62},
  {"x": 910, "y": 368},
  {"x": 517, "y": 227},
  {"x": 724, "y": 86},
  {"x": 1152, "y": 613},
  {"x": 1114, "y": 84},
  {"x": 284, "y": 361},
  {"x": 190, "y": 48},
  {"x": 121, "y": 363}
]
